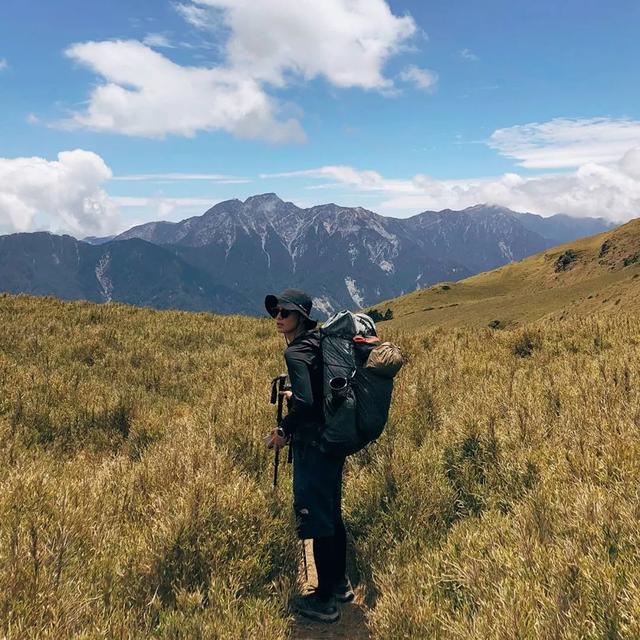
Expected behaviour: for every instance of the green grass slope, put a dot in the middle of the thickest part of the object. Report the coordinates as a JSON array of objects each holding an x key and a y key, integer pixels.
[{"x": 578, "y": 278}]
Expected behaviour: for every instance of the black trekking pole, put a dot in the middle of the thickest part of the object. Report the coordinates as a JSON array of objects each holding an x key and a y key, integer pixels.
[{"x": 278, "y": 385}]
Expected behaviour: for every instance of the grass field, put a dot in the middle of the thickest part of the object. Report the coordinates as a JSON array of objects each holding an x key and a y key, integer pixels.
[{"x": 135, "y": 500}]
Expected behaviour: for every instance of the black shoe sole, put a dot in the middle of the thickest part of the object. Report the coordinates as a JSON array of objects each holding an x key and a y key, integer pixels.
[{"x": 319, "y": 617}]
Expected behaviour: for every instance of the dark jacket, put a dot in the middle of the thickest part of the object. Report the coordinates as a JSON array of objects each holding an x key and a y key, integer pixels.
[{"x": 304, "y": 365}]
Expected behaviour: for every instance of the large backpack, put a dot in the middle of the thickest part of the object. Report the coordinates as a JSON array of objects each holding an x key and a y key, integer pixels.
[{"x": 358, "y": 373}]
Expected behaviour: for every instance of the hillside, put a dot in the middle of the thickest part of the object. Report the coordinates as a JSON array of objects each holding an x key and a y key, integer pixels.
[
  {"x": 136, "y": 499},
  {"x": 579, "y": 278},
  {"x": 130, "y": 271}
]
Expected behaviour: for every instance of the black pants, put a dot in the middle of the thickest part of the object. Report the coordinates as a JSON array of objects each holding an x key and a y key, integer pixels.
[{"x": 317, "y": 501}]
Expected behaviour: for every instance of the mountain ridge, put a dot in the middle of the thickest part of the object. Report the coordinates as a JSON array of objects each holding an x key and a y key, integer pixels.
[
  {"x": 132, "y": 271},
  {"x": 348, "y": 257}
]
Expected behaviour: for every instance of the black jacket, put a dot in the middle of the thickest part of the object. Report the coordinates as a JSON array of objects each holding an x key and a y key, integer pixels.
[{"x": 304, "y": 365}]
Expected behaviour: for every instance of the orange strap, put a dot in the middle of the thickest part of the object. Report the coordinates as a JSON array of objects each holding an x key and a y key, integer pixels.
[{"x": 367, "y": 339}]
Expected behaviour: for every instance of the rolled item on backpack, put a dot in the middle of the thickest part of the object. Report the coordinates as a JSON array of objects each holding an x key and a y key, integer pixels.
[{"x": 385, "y": 360}]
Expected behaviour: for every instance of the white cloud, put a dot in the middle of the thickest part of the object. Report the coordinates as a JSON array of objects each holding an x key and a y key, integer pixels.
[
  {"x": 605, "y": 182},
  {"x": 565, "y": 142},
  {"x": 467, "y": 54},
  {"x": 610, "y": 191},
  {"x": 199, "y": 17},
  {"x": 67, "y": 191},
  {"x": 158, "y": 40},
  {"x": 148, "y": 95},
  {"x": 422, "y": 78},
  {"x": 358, "y": 179},
  {"x": 271, "y": 42},
  {"x": 178, "y": 177},
  {"x": 3, "y": 64},
  {"x": 630, "y": 163},
  {"x": 592, "y": 190},
  {"x": 347, "y": 41}
]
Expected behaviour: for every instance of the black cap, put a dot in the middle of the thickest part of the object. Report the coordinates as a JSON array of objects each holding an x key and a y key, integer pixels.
[{"x": 294, "y": 300}]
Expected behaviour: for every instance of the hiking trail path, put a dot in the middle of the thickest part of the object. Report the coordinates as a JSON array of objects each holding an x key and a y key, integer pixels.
[{"x": 351, "y": 626}]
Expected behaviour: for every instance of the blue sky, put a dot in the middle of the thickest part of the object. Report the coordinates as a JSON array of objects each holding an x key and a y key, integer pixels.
[{"x": 160, "y": 109}]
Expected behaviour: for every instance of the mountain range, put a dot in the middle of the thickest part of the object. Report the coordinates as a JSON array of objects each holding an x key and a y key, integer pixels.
[{"x": 227, "y": 259}]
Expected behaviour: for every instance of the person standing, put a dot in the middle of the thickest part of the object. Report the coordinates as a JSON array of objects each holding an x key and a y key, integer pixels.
[{"x": 317, "y": 476}]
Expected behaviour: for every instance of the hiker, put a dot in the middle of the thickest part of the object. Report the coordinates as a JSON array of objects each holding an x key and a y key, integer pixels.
[{"x": 317, "y": 476}]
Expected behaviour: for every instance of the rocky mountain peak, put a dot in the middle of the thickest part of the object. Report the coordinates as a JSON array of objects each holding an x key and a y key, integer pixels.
[
  {"x": 488, "y": 209},
  {"x": 227, "y": 206},
  {"x": 340, "y": 213},
  {"x": 263, "y": 201}
]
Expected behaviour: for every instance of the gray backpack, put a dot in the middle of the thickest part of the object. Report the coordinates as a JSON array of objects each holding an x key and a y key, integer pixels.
[{"x": 358, "y": 373}]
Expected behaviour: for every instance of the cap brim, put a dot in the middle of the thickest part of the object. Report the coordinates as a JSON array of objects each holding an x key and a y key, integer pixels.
[{"x": 271, "y": 302}]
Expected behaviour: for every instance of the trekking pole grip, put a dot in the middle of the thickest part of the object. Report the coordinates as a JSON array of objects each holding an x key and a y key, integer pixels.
[{"x": 277, "y": 386}]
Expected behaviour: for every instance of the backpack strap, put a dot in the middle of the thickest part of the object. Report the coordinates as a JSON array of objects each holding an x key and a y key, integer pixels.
[{"x": 367, "y": 339}]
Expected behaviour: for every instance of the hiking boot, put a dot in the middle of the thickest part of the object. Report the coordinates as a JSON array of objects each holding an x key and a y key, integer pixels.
[
  {"x": 314, "y": 607},
  {"x": 343, "y": 591}
]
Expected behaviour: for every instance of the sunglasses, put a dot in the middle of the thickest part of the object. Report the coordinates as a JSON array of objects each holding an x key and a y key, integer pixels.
[{"x": 283, "y": 313}]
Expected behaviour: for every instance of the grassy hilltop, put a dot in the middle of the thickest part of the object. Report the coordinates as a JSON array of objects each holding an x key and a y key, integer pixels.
[
  {"x": 581, "y": 277},
  {"x": 135, "y": 501}
]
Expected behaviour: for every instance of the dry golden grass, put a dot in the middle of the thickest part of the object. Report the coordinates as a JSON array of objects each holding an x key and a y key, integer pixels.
[
  {"x": 134, "y": 495},
  {"x": 503, "y": 502},
  {"x": 135, "y": 499}
]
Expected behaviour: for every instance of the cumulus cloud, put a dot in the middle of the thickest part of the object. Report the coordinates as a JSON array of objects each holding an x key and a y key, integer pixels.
[
  {"x": 347, "y": 41},
  {"x": 630, "y": 163},
  {"x": 592, "y": 190},
  {"x": 421, "y": 78},
  {"x": 3, "y": 64},
  {"x": 566, "y": 143},
  {"x": 605, "y": 181},
  {"x": 148, "y": 95},
  {"x": 67, "y": 191},
  {"x": 266, "y": 44}
]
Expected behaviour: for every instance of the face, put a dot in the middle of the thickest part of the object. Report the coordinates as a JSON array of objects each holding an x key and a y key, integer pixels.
[{"x": 288, "y": 324}]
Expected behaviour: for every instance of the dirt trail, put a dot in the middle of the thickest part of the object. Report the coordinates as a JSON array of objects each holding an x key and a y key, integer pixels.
[{"x": 351, "y": 626}]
